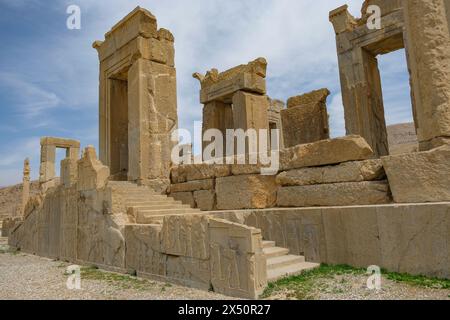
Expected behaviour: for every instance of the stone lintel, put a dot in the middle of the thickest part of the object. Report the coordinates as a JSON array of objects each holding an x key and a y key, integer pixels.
[{"x": 60, "y": 142}]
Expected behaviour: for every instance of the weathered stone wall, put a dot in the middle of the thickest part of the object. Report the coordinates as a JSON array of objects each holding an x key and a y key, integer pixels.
[
  {"x": 199, "y": 251},
  {"x": 324, "y": 173},
  {"x": 409, "y": 238}
]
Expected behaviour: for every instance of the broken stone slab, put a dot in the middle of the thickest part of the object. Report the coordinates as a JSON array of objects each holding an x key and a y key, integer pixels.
[
  {"x": 314, "y": 97},
  {"x": 246, "y": 192},
  {"x": 194, "y": 185},
  {"x": 354, "y": 171},
  {"x": 205, "y": 200},
  {"x": 335, "y": 194},
  {"x": 201, "y": 171},
  {"x": 185, "y": 198},
  {"x": 419, "y": 177},
  {"x": 326, "y": 152}
]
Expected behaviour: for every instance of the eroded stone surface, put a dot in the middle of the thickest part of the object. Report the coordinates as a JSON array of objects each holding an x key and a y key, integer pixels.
[
  {"x": 420, "y": 177},
  {"x": 331, "y": 151},
  {"x": 335, "y": 194},
  {"x": 354, "y": 171},
  {"x": 246, "y": 192}
]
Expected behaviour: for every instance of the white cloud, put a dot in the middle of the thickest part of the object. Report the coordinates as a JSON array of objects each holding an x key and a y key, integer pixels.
[{"x": 29, "y": 97}]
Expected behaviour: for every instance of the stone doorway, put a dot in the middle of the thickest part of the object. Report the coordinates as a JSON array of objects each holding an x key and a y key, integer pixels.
[{"x": 118, "y": 126}]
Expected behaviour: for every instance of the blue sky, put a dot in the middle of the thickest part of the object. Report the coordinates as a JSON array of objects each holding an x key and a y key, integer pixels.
[{"x": 49, "y": 74}]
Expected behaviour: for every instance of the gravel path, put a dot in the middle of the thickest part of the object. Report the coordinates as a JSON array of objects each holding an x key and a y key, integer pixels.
[{"x": 25, "y": 276}]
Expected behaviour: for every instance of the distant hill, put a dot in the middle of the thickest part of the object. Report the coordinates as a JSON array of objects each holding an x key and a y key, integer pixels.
[{"x": 11, "y": 199}]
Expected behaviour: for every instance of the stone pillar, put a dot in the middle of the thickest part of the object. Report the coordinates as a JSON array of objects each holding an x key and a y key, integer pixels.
[
  {"x": 152, "y": 116},
  {"x": 360, "y": 84},
  {"x": 69, "y": 172},
  {"x": 47, "y": 166},
  {"x": 217, "y": 115},
  {"x": 26, "y": 184},
  {"x": 428, "y": 48},
  {"x": 250, "y": 111}
]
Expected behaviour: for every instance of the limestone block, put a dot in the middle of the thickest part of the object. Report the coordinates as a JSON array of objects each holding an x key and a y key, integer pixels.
[
  {"x": 69, "y": 172},
  {"x": 184, "y": 197},
  {"x": 194, "y": 185},
  {"x": 205, "y": 200},
  {"x": 99, "y": 240},
  {"x": 186, "y": 236},
  {"x": 354, "y": 171},
  {"x": 419, "y": 177},
  {"x": 245, "y": 192},
  {"x": 194, "y": 273},
  {"x": 325, "y": 152},
  {"x": 415, "y": 238},
  {"x": 336, "y": 194},
  {"x": 202, "y": 171},
  {"x": 92, "y": 174},
  {"x": 352, "y": 236},
  {"x": 222, "y": 86},
  {"x": 314, "y": 97},
  {"x": 306, "y": 119},
  {"x": 143, "y": 252},
  {"x": 250, "y": 111},
  {"x": 238, "y": 266}
]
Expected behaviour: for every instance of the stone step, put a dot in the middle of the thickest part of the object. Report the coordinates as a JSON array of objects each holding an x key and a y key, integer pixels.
[
  {"x": 291, "y": 270},
  {"x": 159, "y": 207},
  {"x": 145, "y": 198},
  {"x": 151, "y": 203},
  {"x": 275, "y": 252},
  {"x": 158, "y": 219},
  {"x": 284, "y": 261},
  {"x": 166, "y": 211},
  {"x": 268, "y": 244}
]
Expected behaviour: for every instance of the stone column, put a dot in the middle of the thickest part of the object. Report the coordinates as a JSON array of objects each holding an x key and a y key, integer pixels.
[
  {"x": 25, "y": 185},
  {"x": 152, "y": 117},
  {"x": 428, "y": 47},
  {"x": 47, "y": 166},
  {"x": 250, "y": 112},
  {"x": 360, "y": 85}
]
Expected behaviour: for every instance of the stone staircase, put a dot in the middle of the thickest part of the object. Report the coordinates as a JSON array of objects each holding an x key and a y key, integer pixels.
[
  {"x": 281, "y": 264},
  {"x": 145, "y": 206}
]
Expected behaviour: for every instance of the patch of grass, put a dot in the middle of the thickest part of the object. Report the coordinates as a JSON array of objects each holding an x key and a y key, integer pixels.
[
  {"x": 304, "y": 285},
  {"x": 7, "y": 249},
  {"x": 421, "y": 281},
  {"x": 121, "y": 280},
  {"x": 301, "y": 286}
]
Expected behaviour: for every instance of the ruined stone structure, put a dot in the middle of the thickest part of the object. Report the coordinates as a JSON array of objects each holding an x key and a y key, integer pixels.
[
  {"x": 47, "y": 171},
  {"x": 275, "y": 122},
  {"x": 422, "y": 28},
  {"x": 306, "y": 119},
  {"x": 228, "y": 227},
  {"x": 25, "y": 184},
  {"x": 235, "y": 99},
  {"x": 138, "y": 100}
]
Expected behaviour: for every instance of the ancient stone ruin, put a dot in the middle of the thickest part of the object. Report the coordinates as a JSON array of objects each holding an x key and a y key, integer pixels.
[{"x": 227, "y": 227}]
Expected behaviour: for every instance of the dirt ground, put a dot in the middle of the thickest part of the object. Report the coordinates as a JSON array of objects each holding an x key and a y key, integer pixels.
[{"x": 24, "y": 276}]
